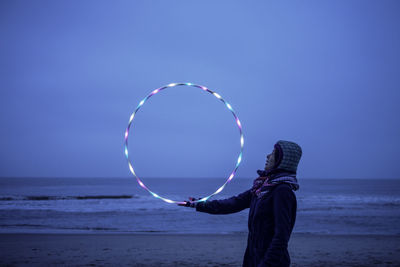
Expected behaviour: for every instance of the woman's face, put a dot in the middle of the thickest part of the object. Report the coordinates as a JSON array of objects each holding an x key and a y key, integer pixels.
[{"x": 270, "y": 163}]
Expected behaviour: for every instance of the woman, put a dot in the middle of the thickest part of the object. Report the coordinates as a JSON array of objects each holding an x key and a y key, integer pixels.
[{"x": 272, "y": 206}]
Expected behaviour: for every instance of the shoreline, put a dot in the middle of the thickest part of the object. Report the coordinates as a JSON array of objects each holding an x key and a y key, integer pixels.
[
  {"x": 177, "y": 234},
  {"x": 155, "y": 249}
]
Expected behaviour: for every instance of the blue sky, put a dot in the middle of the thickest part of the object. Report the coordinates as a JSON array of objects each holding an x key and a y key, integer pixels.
[{"x": 324, "y": 74}]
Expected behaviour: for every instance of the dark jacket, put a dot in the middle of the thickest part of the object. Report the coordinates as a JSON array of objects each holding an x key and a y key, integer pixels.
[{"x": 271, "y": 221}]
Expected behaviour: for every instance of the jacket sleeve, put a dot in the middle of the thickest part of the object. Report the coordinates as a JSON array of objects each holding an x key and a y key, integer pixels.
[
  {"x": 284, "y": 203},
  {"x": 226, "y": 206}
]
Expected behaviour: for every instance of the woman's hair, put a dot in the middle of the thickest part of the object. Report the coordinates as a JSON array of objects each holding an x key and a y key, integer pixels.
[{"x": 277, "y": 155}]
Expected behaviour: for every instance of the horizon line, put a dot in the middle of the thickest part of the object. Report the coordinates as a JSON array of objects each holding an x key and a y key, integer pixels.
[{"x": 169, "y": 177}]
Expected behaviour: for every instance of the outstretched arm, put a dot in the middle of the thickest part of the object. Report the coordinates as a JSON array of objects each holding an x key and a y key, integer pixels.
[{"x": 226, "y": 206}]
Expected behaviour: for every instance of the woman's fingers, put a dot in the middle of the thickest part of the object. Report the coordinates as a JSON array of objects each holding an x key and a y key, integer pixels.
[{"x": 189, "y": 203}]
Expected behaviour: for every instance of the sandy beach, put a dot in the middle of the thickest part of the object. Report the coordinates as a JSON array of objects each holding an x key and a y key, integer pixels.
[{"x": 189, "y": 250}]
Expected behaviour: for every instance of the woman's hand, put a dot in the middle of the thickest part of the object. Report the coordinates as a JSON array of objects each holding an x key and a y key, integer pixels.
[{"x": 191, "y": 203}]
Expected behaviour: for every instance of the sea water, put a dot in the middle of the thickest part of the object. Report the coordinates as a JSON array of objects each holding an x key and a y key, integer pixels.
[{"x": 115, "y": 205}]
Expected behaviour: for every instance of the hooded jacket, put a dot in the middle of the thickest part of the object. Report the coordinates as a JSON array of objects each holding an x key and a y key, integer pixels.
[{"x": 271, "y": 217}]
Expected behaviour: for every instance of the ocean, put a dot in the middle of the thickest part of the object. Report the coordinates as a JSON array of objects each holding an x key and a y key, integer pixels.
[{"x": 120, "y": 205}]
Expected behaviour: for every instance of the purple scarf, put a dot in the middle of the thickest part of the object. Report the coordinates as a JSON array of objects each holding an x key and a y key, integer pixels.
[{"x": 263, "y": 184}]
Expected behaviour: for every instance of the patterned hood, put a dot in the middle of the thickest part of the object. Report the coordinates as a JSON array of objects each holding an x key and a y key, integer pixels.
[{"x": 289, "y": 156}]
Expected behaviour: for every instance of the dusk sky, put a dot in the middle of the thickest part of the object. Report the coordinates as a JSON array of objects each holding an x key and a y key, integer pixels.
[{"x": 324, "y": 74}]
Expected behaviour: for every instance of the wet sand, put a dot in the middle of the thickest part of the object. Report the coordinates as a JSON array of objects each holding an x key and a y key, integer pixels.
[{"x": 189, "y": 250}]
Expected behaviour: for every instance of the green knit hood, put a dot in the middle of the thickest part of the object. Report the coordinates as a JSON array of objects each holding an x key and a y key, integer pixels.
[{"x": 289, "y": 155}]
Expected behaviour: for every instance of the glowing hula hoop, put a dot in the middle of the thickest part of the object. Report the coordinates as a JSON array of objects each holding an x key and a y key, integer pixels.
[{"x": 204, "y": 89}]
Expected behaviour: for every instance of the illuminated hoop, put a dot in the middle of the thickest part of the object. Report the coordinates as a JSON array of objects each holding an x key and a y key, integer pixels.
[{"x": 204, "y": 89}]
